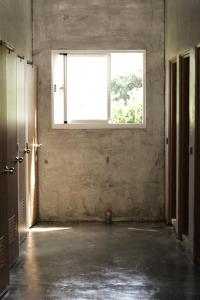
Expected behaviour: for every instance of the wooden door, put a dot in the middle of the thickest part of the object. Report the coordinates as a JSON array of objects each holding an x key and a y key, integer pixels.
[
  {"x": 172, "y": 143},
  {"x": 196, "y": 246},
  {"x": 31, "y": 144},
  {"x": 11, "y": 81},
  {"x": 183, "y": 148},
  {"x": 21, "y": 148},
  {"x": 3, "y": 178}
]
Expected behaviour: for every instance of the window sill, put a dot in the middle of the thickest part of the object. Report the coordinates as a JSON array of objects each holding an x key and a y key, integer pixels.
[{"x": 98, "y": 126}]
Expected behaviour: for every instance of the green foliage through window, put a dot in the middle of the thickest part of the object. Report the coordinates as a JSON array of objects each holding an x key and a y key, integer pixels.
[{"x": 127, "y": 99}]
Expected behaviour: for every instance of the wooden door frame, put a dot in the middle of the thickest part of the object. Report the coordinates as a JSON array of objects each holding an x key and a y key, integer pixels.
[
  {"x": 180, "y": 159},
  {"x": 171, "y": 146},
  {"x": 196, "y": 222}
]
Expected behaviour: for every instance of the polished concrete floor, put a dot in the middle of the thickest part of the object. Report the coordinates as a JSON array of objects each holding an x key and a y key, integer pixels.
[{"x": 97, "y": 261}]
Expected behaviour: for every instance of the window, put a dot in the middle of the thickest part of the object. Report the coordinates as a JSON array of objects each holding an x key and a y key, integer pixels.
[{"x": 99, "y": 89}]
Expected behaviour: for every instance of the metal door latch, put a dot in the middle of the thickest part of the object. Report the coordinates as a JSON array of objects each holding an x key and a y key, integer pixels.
[
  {"x": 27, "y": 150},
  {"x": 19, "y": 159},
  {"x": 37, "y": 145},
  {"x": 190, "y": 150},
  {"x": 8, "y": 170}
]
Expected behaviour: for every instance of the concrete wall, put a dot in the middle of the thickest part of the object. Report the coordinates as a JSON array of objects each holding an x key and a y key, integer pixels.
[
  {"x": 182, "y": 32},
  {"x": 85, "y": 172},
  {"x": 182, "y": 26},
  {"x": 16, "y": 25}
]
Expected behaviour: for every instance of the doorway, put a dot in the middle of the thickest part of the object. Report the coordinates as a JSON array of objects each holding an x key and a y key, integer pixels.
[{"x": 183, "y": 147}]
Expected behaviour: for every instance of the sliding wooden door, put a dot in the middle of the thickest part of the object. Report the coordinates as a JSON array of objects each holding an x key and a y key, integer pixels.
[{"x": 3, "y": 177}]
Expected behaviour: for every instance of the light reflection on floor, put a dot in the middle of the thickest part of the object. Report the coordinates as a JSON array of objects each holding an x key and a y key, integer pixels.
[
  {"x": 125, "y": 261},
  {"x": 142, "y": 229},
  {"x": 48, "y": 229}
]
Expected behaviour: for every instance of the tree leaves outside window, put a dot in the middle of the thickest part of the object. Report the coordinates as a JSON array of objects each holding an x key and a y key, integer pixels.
[{"x": 127, "y": 99}]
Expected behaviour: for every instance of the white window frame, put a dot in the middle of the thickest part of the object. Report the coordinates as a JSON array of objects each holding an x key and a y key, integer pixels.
[{"x": 95, "y": 124}]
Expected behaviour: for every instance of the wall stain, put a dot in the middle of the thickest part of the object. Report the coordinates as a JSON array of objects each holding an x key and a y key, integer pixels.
[{"x": 107, "y": 159}]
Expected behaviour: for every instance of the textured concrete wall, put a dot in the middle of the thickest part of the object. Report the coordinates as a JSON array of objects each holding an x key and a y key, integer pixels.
[
  {"x": 182, "y": 26},
  {"x": 85, "y": 172},
  {"x": 16, "y": 25},
  {"x": 182, "y": 32}
]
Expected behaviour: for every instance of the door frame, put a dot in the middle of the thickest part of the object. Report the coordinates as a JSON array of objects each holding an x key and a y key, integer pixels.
[
  {"x": 180, "y": 142},
  {"x": 196, "y": 222},
  {"x": 171, "y": 146}
]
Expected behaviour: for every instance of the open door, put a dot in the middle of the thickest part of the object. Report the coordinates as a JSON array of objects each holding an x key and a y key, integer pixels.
[
  {"x": 183, "y": 147},
  {"x": 11, "y": 82},
  {"x": 172, "y": 144},
  {"x": 3, "y": 178},
  {"x": 31, "y": 144},
  {"x": 21, "y": 123}
]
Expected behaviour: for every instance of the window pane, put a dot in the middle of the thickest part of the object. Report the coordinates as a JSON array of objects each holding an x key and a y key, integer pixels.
[
  {"x": 127, "y": 93},
  {"x": 86, "y": 87},
  {"x": 58, "y": 88}
]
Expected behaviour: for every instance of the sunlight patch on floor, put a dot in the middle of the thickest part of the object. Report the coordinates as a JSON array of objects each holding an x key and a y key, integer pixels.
[{"x": 48, "y": 229}]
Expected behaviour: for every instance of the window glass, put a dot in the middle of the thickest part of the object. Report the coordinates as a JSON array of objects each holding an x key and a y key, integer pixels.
[
  {"x": 87, "y": 86},
  {"x": 127, "y": 88}
]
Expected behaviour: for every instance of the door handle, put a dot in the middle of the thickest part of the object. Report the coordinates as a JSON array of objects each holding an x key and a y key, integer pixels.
[
  {"x": 190, "y": 150},
  {"x": 27, "y": 151},
  {"x": 19, "y": 159},
  {"x": 8, "y": 170},
  {"x": 37, "y": 145},
  {"x": 11, "y": 170}
]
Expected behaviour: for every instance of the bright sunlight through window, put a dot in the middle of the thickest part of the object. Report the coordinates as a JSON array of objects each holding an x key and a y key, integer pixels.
[
  {"x": 100, "y": 89},
  {"x": 87, "y": 81}
]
